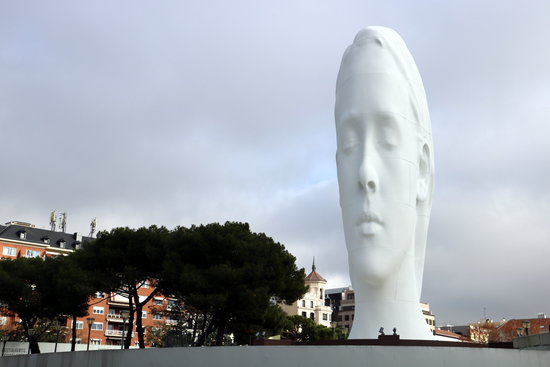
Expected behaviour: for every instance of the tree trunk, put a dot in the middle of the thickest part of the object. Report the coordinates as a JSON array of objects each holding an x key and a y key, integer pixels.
[
  {"x": 130, "y": 329},
  {"x": 73, "y": 332},
  {"x": 139, "y": 309},
  {"x": 220, "y": 334},
  {"x": 35, "y": 349},
  {"x": 139, "y": 322},
  {"x": 33, "y": 342},
  {"x": 202, "y": 336},
  {"x": 195, "y": 325}
]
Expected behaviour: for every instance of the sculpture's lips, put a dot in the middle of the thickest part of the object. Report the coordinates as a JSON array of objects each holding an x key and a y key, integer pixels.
[
  {"x": 369, "y": 223},
  {"x": 369, "y": 217}
]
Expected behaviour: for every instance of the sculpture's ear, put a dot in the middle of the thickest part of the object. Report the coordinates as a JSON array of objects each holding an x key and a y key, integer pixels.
[{"x": 425, "y": 168}]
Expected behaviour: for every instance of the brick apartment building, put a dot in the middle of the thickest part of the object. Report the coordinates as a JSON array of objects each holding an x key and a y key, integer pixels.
[{"x": 20, "y": 239}]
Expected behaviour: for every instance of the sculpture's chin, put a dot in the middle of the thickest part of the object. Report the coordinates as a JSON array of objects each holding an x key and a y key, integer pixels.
[{"x": 373, "y": 265}]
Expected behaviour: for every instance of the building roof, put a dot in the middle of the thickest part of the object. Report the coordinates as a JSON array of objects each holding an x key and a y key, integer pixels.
[
  {"x": 538, "y": 326},
  {"x": 41, "y": 236},
  {"x": 314, "y": 276},
  {"x": 448, "y": 334},
  {"x": 337, "y": 290}
]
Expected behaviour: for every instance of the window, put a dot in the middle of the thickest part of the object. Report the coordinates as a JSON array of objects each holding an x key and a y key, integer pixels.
[
  {"x": 32, "y": 253},
  {"x": 22, "y": 235},
  {"x": 157, "y": 302},
  {"x": 95, "y": 341},
  {"x": 311, "y": 304},
  {"x": 346, "y": 317},
  {"x": 321, "y": 293},
  {"x": 99, "y": 295},
  {"x": 145, "y": 284},
  {"x": 46, "y": 240},
  {"x": 339, "y": 317},
  {"x": 312, "y": 316},
  {"x": 3, "y": 320},
  {"x": 325, "y": 317},
  {"x": 8, "y": 251},
  {"x": 80, "y": 324},
  {"x": 99, "y": 310},
  {"x": 304, "y": 314},
  {"x": 97, "y": 326},
  {"x": 143, "y": 314},
  {"x": 157, "y": 316},
  {"x": 303, "y": 303}
]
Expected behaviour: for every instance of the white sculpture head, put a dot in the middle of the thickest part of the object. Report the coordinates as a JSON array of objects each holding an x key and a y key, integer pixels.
[{"x": 384, "y": 159}]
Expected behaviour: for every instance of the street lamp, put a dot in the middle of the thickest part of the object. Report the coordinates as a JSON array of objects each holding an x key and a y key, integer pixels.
[
  {"x": 125, "y": 315},
  {"x": 333, "y": 326},
  {"x": 90, "y": 321}
]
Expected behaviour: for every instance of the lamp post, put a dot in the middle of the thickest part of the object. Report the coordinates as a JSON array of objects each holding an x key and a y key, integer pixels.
[
  {"x": 333, "y": 326},
  {"x": 125, "y": 315},
  {"x": 90, "y": 321}
]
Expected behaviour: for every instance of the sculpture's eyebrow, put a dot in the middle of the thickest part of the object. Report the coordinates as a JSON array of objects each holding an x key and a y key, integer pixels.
[{"x": 348, "y": 118}]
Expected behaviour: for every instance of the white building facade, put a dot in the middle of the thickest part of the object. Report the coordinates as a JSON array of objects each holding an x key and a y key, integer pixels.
[{"x": 312, "y": 305}]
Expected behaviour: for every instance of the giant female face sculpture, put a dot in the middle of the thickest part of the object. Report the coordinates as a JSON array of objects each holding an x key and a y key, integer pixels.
[{"x": 385, "y": 175}]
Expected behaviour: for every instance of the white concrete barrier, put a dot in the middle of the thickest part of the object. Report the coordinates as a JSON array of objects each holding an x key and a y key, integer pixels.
[
  {"x": 19, "y": 348},
  {"x": 289, "y": 356}
]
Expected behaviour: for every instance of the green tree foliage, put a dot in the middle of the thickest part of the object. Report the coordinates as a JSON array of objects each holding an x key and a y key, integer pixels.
[
  {"x": 303, "y": 329},
  {"x": 231, "y": 275},
  {"x": 156, "y": 335},
  {"x": 31, "y": 288},
  {"x": 71, "y": 290},
  {"x": 121, "y": 261}
]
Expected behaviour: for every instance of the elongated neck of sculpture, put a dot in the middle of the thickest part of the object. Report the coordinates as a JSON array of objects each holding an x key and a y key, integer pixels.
[{"x": 394, "y": 303}]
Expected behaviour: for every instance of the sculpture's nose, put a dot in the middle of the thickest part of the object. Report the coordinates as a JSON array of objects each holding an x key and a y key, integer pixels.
[{"x": 368, "y": 178}]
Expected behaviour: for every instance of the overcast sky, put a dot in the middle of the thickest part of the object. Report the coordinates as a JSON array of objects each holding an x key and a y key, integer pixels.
[{"x": 179, "y": 113}]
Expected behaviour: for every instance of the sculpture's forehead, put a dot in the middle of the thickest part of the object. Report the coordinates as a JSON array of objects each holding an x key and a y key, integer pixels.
[
  {"x": 371, "y": 56},
  {"x": 371, "y": 93}
]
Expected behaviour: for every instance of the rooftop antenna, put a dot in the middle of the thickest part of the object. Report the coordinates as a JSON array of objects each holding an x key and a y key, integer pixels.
[
  {"x": 53, "y": 220},
  {"x": 63, "y": 220},
  {"x": 93, "y": 224}
]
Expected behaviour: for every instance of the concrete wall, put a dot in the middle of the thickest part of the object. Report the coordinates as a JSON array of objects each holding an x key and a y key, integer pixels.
[
  {"x": 300, "y": 356},
  {"x": 537, "y": 341},
  {"x": 20, "y": 348}
]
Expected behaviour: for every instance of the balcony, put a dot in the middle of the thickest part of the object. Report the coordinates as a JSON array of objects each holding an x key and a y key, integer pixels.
[
  {"x": 115, "y": 333},
  {"x": 114, "y": 317}
]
